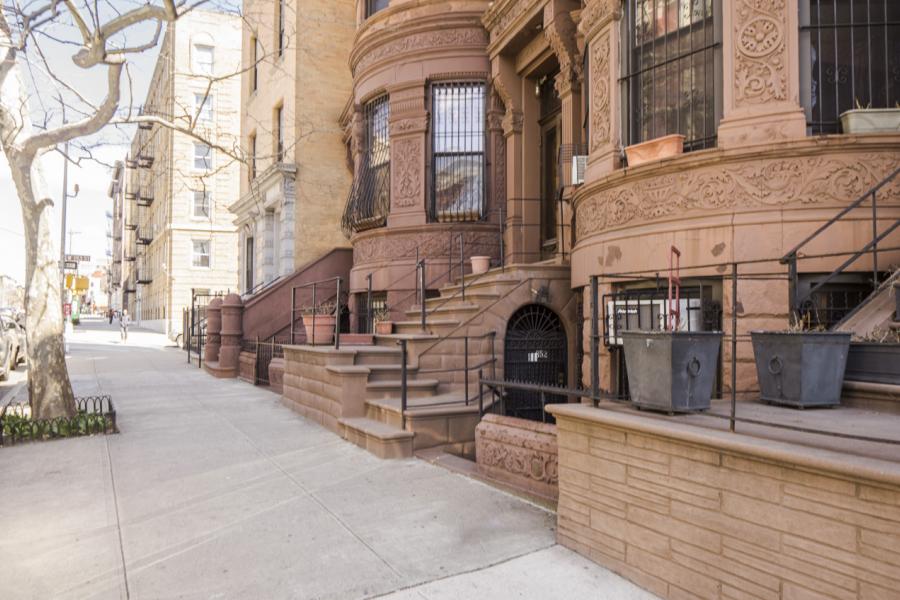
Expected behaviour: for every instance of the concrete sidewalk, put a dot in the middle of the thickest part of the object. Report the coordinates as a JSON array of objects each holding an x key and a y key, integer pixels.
[{"x": 215, "y": 490}]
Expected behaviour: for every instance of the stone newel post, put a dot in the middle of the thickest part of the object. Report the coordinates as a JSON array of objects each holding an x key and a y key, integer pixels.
[
  {"x": 213, "y": 329},
  {"x": 229, "y": 353}
]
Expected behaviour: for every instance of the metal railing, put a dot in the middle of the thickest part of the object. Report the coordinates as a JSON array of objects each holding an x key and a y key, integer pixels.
[
  {"x": 327, "y": 307},
  {"x": 93, "y": 415},
  {"x": 797, "y": 300},
  {"x": 259, "y": 287}
]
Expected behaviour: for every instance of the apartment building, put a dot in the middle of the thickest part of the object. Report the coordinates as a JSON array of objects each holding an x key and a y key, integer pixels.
[{"x": 182, "y": 173}]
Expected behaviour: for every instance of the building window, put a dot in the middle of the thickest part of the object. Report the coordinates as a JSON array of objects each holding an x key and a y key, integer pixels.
[
  {"x": 200, "y": 204},
  {"x": 279, "y": 133},
  {"x": 370, "y": 196},
  {"x": 254, "y": 63},
  {"x": 248, "y": 264},
  {"x": 202, "y": 157},
  {"x": 457, "y": 143},
  {"x": 204, "y": 59},
  {"x": 279, "y": 18},
  {"x": 671, "y": 60},
  {"x": 252, "y": 145},
  {"x": 203, "y": 107},
  {"x": 373, "y": 6},
  {"x": 200, "y": 254},
  {"x": 850, "y": 58}
]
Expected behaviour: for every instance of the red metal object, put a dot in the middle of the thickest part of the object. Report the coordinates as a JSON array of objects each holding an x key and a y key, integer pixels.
[{"x": 673, "y": 315}]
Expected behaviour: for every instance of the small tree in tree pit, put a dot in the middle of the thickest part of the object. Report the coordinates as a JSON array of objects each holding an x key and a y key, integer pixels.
[{"x": 99, "y": 33}]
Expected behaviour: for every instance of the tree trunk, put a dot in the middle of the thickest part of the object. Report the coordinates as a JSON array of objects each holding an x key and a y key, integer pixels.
[{"x": 50, "y": 390}]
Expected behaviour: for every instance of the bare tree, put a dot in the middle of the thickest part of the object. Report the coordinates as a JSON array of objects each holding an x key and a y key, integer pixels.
[{"x": 101, "y": 42}]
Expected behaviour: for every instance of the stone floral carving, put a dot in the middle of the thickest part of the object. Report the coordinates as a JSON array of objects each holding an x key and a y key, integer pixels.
[
  {"x": 408, "y": 125},
  {"x": 431, "y": 244},
  {"x": 599, "y": 74},
  {"x": 771, "y": 182},
  {"x": 760, "y": 55},
  {"x": 499, "y": 198},
  {"x": 501, "y": 18},
  {"x": 595, "y": 14},
  {"x": 407, "y": 172},
  {"x": 560, "y": 35},
  {"x": 518, "y": 448},
  {"x": 421, "y": 41}
]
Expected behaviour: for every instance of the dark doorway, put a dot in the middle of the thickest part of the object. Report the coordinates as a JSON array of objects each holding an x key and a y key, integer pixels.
[{"x": 535, "y": 351}]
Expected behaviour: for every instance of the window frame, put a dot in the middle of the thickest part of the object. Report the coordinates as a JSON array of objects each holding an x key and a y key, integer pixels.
[
  {"x": 434, "y": 214},
  {"x": 254, "y": 63},
  {"x": 208, "y": 101},
  {"x": 251, "y": 142},
  {"x": 208, "y": 158},
  {"x": 200, "y": 68},
  {"x": 711, "y": 59},
  {"x": 280, "y": 27},
  {"x": 208, "y": 202},
  {"x": 372, "y": 7},
  {"x": 195, "y": 255},
  {"x": 278, "y": 129}
]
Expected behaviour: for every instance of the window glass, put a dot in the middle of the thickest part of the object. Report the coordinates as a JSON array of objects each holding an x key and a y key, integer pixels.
[
  {"x": 201, "y": 204},
  {"x": 202, "y": 157},
  {"x": 204, "y": 59},
  {"x": 373, "y": 6},
  {"x": 200, "y": 257},
  {"x": 203, "y": 107}
]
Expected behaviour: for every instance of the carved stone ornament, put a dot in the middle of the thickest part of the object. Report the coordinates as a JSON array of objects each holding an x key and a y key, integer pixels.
[
  {"x": 408, "y": 125},
  {"x": 506, "y": 14},
  {"x": 760, "y": 54},
  {"x": 431, "y": 244},
  {"x": 596, "y": 13},
  {"x": 422, "y": 41},
  {"x": 560, "y": 35},
  {"x": 599, "y": 73},
  {"x": 499, "y": 172},
  {"x": 407, "y": 172},
  {"x": 771, "y": 182},
  {"x": 526, "y": 451}
]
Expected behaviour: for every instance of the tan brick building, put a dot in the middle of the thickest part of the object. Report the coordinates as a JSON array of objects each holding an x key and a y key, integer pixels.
[
  {"x": 180, "y": 180},
  {"x": 295, "y": 86}
]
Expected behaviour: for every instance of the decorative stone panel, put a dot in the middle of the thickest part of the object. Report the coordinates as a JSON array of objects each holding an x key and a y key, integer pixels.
[
  {"x": 519, "y": 452},
  {"x": 760, "y": 54},
  {"x": 406, "y": 170},
  {"x": 418, "y": 42},
  {"x": 599, "y": 90},
  {"x": 430, "y": 244}
]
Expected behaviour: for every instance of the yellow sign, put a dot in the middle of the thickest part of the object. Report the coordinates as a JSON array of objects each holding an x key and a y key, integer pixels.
[{"x": 78, "y": 283}]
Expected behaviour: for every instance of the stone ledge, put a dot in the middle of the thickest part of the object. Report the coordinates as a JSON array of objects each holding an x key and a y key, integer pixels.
[{"x": 856, "y": 467}]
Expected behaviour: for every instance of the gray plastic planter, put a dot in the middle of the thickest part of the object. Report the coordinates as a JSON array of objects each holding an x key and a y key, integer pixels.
[
  {"x": 801, "y": 369},
  {"x": 671, "y": 372}
]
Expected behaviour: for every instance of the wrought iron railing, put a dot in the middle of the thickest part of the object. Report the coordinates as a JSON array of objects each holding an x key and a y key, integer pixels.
[
  {"x": 93, "y": 415},
  {"x": 322, "y": 302},
  {"x": 369, "y": 201},
  {"x": 798, "y": 300}
]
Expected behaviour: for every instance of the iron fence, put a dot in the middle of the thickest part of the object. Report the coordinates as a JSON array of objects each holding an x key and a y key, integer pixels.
[{"x": 93, "y": 415}]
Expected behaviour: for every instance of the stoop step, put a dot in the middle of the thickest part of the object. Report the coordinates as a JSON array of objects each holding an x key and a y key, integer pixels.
[
  {"x": 381, "y": 439},
  {"x": 415, "y": 388}
]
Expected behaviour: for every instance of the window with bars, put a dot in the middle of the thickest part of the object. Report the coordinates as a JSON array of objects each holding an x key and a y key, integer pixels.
[
  {"x": 370, "y": 196},
  {"x": 457, "y": 151},
  {"x": 672, "y": 65},
  {"x": 851, "y": 58},
  {"x": 373, "y": 6}
]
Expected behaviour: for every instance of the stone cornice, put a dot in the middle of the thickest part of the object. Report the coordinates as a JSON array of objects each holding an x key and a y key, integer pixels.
[
  {"x": 506, "y": 17},
  {"x": 263, "y": 181}
]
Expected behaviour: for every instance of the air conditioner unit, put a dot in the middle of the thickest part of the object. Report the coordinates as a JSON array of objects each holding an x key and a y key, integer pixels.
[{"x": 579, "y": 162}]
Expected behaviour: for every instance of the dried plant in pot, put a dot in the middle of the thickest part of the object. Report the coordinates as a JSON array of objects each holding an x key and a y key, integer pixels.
[
  {"x": 319, "y": 322},
  {"x": 382, "y": 319},
  {"x": 864, "y": 119},
  {"x": 671, "y": 371},
  {"x": 800, "y": 368}
]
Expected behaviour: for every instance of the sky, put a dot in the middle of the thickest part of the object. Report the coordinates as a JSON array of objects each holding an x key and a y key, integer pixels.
[{"x": 86, "y": 213}]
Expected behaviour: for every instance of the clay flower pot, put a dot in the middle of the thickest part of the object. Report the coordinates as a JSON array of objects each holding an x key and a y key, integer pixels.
[
  {"x": 322, "y": 332},
  {"x": 480, "y": 264},
  {"x": 655, "y": 149},
  {"x": 384, "y": 327}
]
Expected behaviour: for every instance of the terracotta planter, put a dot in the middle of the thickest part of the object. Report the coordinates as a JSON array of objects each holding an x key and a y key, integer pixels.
[
  {"x": 324, "y": 329},
  {"x": 384, "y": 327},
  {"x": 656, "y": 149},
  {"x": 871, "y": 120},
  {"x": 480, "y": 264}
]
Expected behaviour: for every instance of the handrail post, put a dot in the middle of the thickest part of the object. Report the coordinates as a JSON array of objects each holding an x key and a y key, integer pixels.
[
  {"x": 422, "y": 289},
  {"x": 793, "y": 301},
  {"x": 370, "y": 321},
  {"x": 493, "y": 356},
  {"x": 256, "y": 362},
  {"x": 875, "y": 240},
  {"x": 403, "y": 390},
  {"x": 337, "y": 316},
  {"x": 480, "y": 394},
  {"x": 293, "y": 311},
  {"x": 595, "y": 346},
  {"x": 462, "y": 266},
  {"x": 314, "y": 309},
  {"x": 502, "y": 242},
  {"x": 734, "y": 344},
  {"x": 466, "y": 363}
]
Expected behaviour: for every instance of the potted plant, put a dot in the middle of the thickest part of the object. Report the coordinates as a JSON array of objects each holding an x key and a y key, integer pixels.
[
  {"x": 319, "y": 321},
  {"x": 875, "y": 358},
  {"x": 800, "y": 368},
  {"x": 871, "y": 120},
  {"x": 655, "y": 149},
  {"x": 672, "y": 371},
  {"x": 480, "y": 264},
  {"x": 382, "y": 319}
]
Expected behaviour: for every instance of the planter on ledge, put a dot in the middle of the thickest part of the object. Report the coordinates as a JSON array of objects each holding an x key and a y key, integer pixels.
[
  {"x": 655, "y": 149},
  {"x": 324, "y": 329},
  {"x": 871, "y": 120},
  {"x": 873, "y": 362},
  {"x": 384, "y": 327},
  {"x": 671, "y": 371},
  {"x": 480, "y": 264},
  {"x": 800, "y": 369}
]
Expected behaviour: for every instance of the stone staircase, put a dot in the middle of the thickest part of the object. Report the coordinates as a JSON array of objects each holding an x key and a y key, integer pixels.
[{"x": 356, "y": 391}]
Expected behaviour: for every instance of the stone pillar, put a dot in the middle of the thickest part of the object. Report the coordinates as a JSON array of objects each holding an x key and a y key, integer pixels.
[
  {"x": 408, "y": 128},
  {"x": 229, "y": 353},
  {"x": 601, "y": 29},
  {"x": 213, "y": 329},
  {"x": 761, "y": 91}
]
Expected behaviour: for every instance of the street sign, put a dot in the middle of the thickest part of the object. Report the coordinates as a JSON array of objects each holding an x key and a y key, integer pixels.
[
  {"x": 78, "y": 257},
  {"x": 71, "y": 264}
]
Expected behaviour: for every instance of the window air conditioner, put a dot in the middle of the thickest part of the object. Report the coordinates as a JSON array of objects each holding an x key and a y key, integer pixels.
[{"x": 579, "y": 162}]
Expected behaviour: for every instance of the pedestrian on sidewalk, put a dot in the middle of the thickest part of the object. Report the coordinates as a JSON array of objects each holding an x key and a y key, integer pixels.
[
  {"x": 109, "y": 313},
  {"x": 124, "y": 322}
]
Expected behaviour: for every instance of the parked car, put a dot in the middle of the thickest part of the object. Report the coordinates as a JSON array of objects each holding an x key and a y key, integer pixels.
[{"x": 15, "y": 326}]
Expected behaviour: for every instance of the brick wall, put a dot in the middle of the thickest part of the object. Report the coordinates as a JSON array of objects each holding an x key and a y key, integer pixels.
[{"x": 689, "y": 513}]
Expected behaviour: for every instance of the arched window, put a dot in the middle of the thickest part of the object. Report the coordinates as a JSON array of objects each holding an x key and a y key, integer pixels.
[
  {"x": 671, "y": 60},
  {"x": 850, "y": 58}
]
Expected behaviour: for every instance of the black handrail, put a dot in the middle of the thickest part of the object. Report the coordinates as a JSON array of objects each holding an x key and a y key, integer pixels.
[
  {"x": 790, "y": 259},
  {"x": 337, "y": 307}
]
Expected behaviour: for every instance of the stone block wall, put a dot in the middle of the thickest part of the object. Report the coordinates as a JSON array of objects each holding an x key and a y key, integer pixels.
[
  {"x": 310, "y": 388},
  {"x": 692, "y": 513},
  {"x": 247, "y": 367},
  {"x": 518, "y": 452}
]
